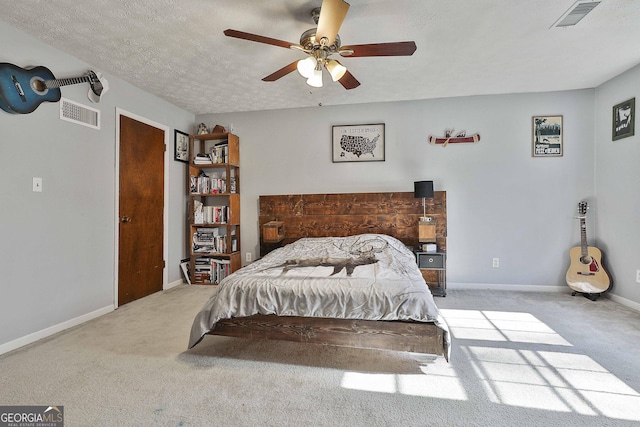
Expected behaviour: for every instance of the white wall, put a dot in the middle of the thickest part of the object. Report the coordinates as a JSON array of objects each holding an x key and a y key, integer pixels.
[
  {"x": 618, "y": 186},
  {"x": 501, "y": 202},
  {"x": 57, "y": 247}
]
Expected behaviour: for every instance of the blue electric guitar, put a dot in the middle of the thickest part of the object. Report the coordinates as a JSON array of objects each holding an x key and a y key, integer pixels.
[{"x": 23, "y": 90}]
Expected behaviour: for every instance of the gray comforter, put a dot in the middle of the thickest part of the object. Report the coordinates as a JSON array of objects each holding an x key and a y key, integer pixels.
[{"x": 369, "y": 276}]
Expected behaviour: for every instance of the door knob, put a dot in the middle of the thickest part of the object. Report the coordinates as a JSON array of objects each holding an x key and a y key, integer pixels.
[{"x": 125, "y": 219}]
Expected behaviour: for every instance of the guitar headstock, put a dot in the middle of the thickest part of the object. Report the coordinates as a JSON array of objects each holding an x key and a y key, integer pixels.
[
  {"x": 98, "y": 86},
  {"x": 582, "y": 209}
]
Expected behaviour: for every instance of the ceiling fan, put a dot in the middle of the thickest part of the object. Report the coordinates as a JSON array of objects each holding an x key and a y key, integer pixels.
[{"x": 321, "y": 43}]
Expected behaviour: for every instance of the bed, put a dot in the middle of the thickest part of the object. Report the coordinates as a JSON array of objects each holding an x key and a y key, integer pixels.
[{"x": 362, "y": 291}]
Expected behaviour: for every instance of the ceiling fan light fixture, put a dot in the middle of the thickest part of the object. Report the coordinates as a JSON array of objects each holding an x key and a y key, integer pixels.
[
  {"x": 323, "y": 41},
  {"x": 316, "y": 79},
  {"x": 306, "y": 67},
  {"x": 336, "y": 69}
]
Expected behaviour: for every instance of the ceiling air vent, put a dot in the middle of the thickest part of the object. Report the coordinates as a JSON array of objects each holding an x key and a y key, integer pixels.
[
  {"x": 74, "y": 112},
  {"x": 575, "y": 13}
]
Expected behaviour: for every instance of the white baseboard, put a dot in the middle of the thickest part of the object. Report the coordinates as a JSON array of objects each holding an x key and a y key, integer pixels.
[
  {"x": 28, "y": 339},
  {"x": 626, "y": 302},
  {"x": 174, "y": 284},
  {"x": 506, "y": 287},
  {"x": 537, "y": 288}
]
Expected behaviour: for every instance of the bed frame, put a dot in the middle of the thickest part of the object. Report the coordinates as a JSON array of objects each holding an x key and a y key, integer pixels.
[
  {"x": 321, "y": 215},
  {"x": 415, "y": 337}
]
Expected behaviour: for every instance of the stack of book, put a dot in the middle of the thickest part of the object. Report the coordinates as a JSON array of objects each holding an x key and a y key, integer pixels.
[
  {"x": 202, "y": 159},
  {"x": 211, "y": 269},
  {"x": 208, "y": 241},
  {"x": 202, "y": 270}
]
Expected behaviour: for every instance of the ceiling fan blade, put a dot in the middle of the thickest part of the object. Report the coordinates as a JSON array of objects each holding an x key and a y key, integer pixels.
[
  {"x": 281, "y": 72},
  {"x": 348, "y": 81},
  {"x": 260, "y": 39},
  {"x": 379, "y": 49},
  {"x": 332, "y": 15}
]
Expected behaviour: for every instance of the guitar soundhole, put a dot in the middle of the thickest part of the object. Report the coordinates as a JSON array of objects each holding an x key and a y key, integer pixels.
[
  {"x": 586, "y": 260},
  {"x": 39, "y": 86}
]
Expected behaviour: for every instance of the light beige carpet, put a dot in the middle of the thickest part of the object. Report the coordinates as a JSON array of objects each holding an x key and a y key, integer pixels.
[{"x": 518, "y": 359}]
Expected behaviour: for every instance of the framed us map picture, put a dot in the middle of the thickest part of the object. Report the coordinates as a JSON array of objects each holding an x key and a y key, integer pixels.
[{"x": 358, "y": 143}]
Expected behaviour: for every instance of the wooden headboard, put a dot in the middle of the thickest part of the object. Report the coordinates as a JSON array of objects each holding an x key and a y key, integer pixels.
[{"x": 322, "y": 215}]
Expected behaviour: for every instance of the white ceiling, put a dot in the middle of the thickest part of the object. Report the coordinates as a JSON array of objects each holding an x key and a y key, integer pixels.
[{"x": 177, "y": 49}]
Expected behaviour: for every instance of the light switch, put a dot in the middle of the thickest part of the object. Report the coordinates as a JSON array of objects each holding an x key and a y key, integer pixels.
[{"x": 37, "y": 184}]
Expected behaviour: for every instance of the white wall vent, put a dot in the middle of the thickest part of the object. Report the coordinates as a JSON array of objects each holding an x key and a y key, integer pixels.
[
  {"x": 75, "y": 112},
  {"x": 575, "y": 13}
]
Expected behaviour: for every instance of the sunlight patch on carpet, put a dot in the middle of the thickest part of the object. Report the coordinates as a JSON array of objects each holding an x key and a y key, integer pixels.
[
  {"x": 381, "y": 383},
  {"x": 437, "y": 386},
  {"x": 557, "y": 379},
  {"x": 553, "y": 381},
  {"x": 500, "y": 326}
]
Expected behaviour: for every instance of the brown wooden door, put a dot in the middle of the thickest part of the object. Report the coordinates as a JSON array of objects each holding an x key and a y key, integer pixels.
[{"x": 140, "y": 250}]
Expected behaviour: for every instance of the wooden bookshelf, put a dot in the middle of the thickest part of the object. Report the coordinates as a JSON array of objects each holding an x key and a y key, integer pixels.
[{"x": 213, "y": 215}]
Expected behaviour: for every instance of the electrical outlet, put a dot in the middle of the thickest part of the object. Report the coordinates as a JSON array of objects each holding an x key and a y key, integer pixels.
[
  {"x": 247, "y": 257},
  {"x": 37, "y": 184},
  {"x": 637, "y": 276},
  {"x": 496, "y": 262}
]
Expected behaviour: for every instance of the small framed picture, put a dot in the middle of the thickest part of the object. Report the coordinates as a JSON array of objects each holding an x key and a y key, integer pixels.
[
  {"x": 186, "y": 270},
  {"x": 358, "y": 143},
  {"x": 181, "y": 150},
  {"x": 546, "y": 136},
  {"x": 624, "y": 117}
]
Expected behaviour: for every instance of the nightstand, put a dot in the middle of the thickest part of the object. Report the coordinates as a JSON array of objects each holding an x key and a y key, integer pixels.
[{"x": 434, "y": 261}]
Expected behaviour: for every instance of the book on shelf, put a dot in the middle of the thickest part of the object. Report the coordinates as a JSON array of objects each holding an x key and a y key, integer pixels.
[
  {"x": 210, "y": 214},
  {"x": 212, "y": 269},
  {"x": 205, "y": 184},
  {"x": 198, "y": 212},
  {"x": 234, "y": 240},
  {"x": 223, "y": 268},
  {"x": 218, "y": 214},
  {"x": 208, "y": 241},
  {"x": 202, "y": 277},
  {"x": 220, "y": 152}
]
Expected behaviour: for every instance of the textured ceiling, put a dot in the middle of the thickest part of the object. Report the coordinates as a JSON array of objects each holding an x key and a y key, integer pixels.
[{"x": 177, "y": 49}]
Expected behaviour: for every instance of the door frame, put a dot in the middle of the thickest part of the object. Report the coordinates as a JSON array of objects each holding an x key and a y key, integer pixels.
[{"x": 165, "y": 217}]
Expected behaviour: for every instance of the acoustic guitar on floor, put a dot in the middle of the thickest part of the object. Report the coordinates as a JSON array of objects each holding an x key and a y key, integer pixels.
[
  {"x": 22, "y": 90},
  {"x": 586, "y": 275}
]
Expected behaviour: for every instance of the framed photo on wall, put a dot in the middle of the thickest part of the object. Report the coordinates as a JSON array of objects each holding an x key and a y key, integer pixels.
[
  {"x": 181, "y": 148},
  {"x": 358, "y": 143},
  {"x": 546, "y": 136},
  {"x": 624, "y": 117}
]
